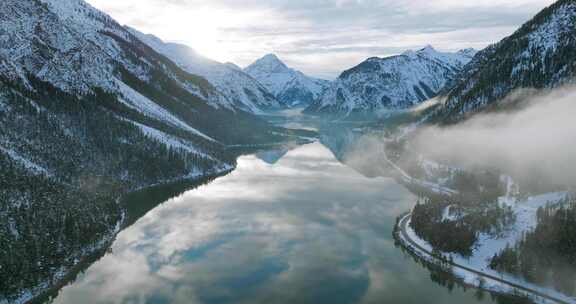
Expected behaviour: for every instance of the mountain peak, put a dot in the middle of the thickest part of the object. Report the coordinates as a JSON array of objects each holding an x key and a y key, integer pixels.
[
  {"x": 233, "y": 66},
  {"x": 288, "y": 85},
  {"x": 269, "y": 62},
  {"x": 271, "y": 57},
  {"x": 428, "y": 48}
]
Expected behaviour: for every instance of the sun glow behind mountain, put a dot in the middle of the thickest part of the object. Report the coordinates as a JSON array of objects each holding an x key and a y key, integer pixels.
[
  {"x": 206, "y": 28},
  {"x": 202, "y": 30},
  {"x": 321, "y": 38}
]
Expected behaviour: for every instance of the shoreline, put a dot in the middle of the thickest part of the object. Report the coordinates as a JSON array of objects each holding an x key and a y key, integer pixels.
[
  {"x": 466, "y": 275},
  {"x": 300, "y": 141},
  {"x": 403, "y": 239},
  {"x": 69, "y": 275},
  {"x": 38, "y": 294}
]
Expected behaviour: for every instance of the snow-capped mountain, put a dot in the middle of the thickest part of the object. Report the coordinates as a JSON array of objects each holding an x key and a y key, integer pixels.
[
  {"x": 240, "y": 88},
  {"x": 541, "y": 54},
  {"x": 290, "y": 86},
  {"x": 392, "y": 83},
  {"x": 75, "y": 47},
  {"x": 89, "y": 112}
]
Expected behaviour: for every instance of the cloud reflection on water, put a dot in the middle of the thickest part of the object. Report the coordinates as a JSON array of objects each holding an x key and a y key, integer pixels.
[{"x": 304, "y": 230}]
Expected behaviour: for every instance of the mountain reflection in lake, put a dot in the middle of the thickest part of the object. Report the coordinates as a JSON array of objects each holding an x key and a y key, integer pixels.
[{"x": 305, "y": 229}]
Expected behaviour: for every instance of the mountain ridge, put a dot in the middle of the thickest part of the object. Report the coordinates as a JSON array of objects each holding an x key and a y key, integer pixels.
[
  {"x": 243, "y": 91},
  {"x": 391, "y": 83},
  {"x": 538, "y": 55}
]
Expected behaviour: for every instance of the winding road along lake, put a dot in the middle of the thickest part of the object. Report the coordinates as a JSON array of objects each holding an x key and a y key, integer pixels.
[{"x": 295, "y": 227}]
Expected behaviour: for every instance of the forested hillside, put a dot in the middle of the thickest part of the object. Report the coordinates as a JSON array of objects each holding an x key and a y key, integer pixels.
[
  {"x": 87, "y": 113},
  {"x": 539, "y": 55},
  {"x": 547, "y": 255}
]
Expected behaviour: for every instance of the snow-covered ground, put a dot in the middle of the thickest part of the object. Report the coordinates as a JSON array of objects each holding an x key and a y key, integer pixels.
[
  {"x": 489, "y": 245},
  {"x": 169, "y": 140},
  {"x": 26, "y": 163},
  {"x": 449, "y": 215},
  {"x": 149, "y": 108},
  {"x": 435, "y": 187}
]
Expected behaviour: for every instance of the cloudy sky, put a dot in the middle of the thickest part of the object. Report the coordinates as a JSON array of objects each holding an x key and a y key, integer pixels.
[{"x": 322, "y": 37}]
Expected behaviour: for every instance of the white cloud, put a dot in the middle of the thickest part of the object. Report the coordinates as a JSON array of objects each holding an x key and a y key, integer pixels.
[
  {"x": 534, "y": 144},
  {"x": 322, "y": 37}
]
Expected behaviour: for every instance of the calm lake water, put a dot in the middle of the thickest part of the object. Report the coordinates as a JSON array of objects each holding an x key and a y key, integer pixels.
[{"x": 285, "y": 227}]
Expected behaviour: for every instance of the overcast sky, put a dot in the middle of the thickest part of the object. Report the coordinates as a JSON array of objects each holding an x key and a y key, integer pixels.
[{"x": 322, "y": 37}]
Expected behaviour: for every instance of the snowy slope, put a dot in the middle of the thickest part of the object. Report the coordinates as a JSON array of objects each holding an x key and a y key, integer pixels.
[
  {"x": 73, "y": 46},
  {"x": 82, "y": 51},
  {"x": 89, "y": 112},
  {"x": 240, "y": 89},
  {"x": 392, "y": 83},
  {"x": 538, "y": 55},
  {"x": 289, "y": 86}
]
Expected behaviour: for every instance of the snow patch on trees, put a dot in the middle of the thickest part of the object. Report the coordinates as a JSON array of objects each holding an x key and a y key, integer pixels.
[
  {"x": 26, "y": 163},
  {"x": 146, "y": 106},
  {"x": 488, "y": 245}
]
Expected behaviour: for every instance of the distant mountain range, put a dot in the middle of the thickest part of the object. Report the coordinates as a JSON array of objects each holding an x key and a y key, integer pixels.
[
  {"x": 291, "y": 87},
  {"x": 539, "y": 55},
  {"x": 267, "y": 84},
  {"x": 391, "y": 83}
]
